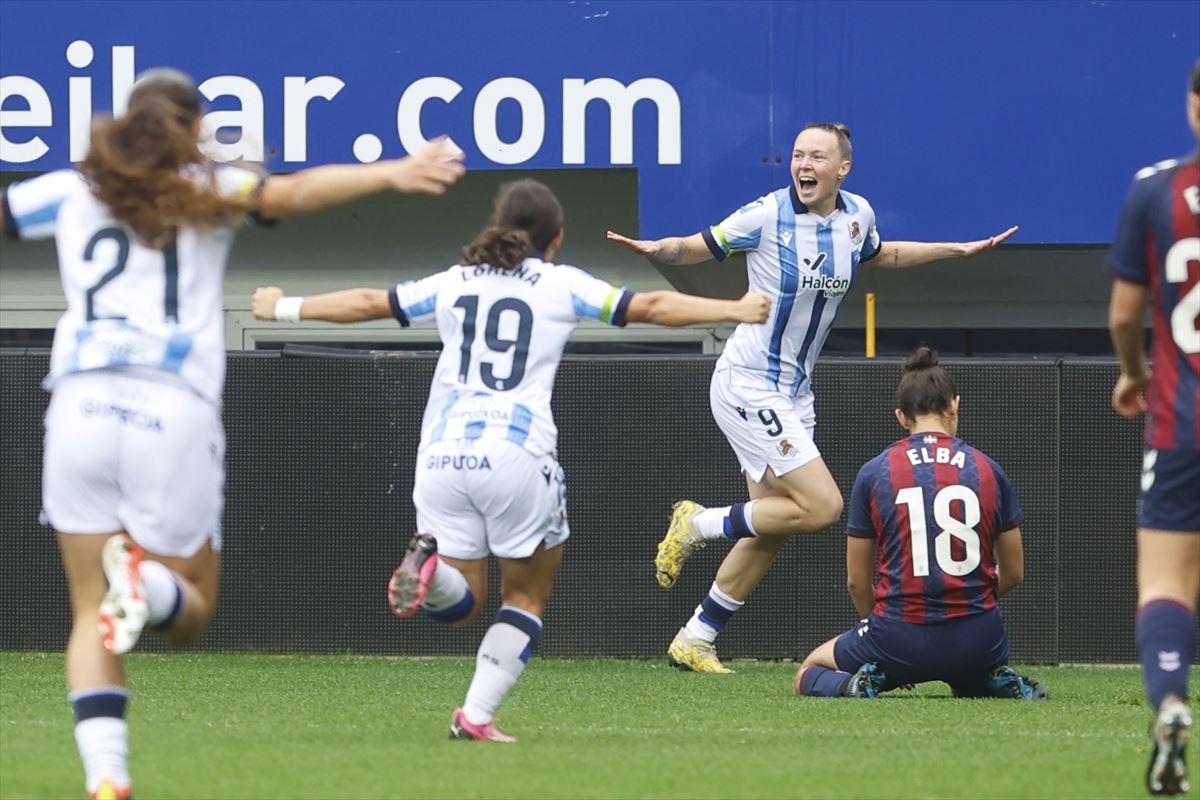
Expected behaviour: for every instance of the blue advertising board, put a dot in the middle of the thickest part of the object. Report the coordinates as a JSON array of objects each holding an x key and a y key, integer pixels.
[{"x": 966, "y": 117}]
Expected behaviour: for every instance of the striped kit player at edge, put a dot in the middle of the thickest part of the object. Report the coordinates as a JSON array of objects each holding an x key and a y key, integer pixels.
[
  {"x": 804, "y": 244},
  {"x": 1155, "y": 258}
]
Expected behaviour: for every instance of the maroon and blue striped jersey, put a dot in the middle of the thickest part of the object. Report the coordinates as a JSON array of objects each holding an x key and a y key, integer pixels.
[
  {"x": 935, "y": 506},
  {"x": 1158, "y": 246}
]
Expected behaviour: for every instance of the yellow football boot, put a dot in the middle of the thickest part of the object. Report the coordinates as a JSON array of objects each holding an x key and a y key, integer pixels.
[
  {"x": 693, "y": 655},
  {"x": 107, "y": 790},
  {"x": 681, "y": 541}
]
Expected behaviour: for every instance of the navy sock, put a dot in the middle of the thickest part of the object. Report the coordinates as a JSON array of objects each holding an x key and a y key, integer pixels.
[
  {"x": 737, "y": 524},
  {"x": 102, "y": 735},
  {"x": 824, "y": 682},
  {"x": 1166, "y": 638},
  {"x": 455, "y": 612},
  {"x": 105, "y": 702}
]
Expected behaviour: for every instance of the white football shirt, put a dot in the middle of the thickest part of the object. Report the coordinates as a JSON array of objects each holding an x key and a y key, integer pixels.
[
  {"x": 805, "y": 264},
  {"x": 503, "y": 334},
  {"x": 129, "y": 304}
]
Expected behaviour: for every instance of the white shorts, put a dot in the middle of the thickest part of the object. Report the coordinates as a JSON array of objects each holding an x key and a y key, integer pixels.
[
  {"x": 480, "y": 496},
  {"x": 124, "y": 452},
  {"x": 765, "y": 428}
]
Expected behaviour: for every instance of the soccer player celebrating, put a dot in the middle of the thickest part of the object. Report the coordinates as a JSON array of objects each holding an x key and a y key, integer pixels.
[
  {"x": 133, "y": 469},
  {"x": 1156, "y": 256},
  {"x": 941, "y": 515},
  {"x": 805, "y": 245},
  {"x": 488, "y": 479}
]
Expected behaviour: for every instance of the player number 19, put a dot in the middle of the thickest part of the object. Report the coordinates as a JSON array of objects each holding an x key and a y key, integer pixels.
[{"x": 963, "y": 530}]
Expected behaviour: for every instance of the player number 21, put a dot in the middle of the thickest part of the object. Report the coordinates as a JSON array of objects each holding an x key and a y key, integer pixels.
[{"x": 951, "y": 527}]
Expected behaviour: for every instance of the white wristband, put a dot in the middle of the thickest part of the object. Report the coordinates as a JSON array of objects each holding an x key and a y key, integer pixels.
[{"x": 287, "y": 309}]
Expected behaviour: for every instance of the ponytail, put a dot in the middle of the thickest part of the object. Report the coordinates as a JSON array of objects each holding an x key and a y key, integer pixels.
[
  {"x": 498, "y": 246},
  {"x": 925, "y": 388},
  {"x": 527, "y": 218}
]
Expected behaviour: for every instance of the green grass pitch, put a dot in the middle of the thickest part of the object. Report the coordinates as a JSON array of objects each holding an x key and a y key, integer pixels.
[{"x": 252, "y": 726}]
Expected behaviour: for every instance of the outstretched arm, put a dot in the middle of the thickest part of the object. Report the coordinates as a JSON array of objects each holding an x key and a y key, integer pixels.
[
  {"x": 348, "y": 305},
  {"x": 670, "y": 251},
  {"x": 674, "y": 310},
  {"x": 896, "y": 255},
  {"x": 429, "y": 170}
]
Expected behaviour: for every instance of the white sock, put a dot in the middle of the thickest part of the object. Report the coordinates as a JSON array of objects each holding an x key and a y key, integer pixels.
[
  {"x": 503, "y": 652},
  {"x": 104, "y": 750},
  {"x": 710, "y": 616},
  {"x": 711, "y": 522},
  {"x": 730, "y": 522},
  {"x": 164, "y": 595},
  {"x": 749, "y": 514},
  {"x": 448, "y": 587}
]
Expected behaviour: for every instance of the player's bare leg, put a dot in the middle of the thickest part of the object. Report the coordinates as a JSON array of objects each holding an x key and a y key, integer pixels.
[
  {"x": 198, "y": 578},
  {"x": 475, "y": 570},
  {"x": 1168, "y": 585},
  {"x": 95, "y": 676},
  {"x": 116, "y": 588},
  {"x": 525, "y": 585},
  {"x": 805, "y": 500},
  {"x": 450, "y": 590}
]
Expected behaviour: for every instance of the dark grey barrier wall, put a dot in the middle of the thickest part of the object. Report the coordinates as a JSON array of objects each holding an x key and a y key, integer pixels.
[{"x": 320, "y": 468}]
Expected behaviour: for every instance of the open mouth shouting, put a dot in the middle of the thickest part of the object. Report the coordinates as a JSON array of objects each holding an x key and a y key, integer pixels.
[{"x": 806, "y": 185}]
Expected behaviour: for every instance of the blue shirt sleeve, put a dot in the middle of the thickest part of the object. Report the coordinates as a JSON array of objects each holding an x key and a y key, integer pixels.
[
  {"x": 415, "y": 301},
  {"x": 1008, "y": 509},
  {"x": 739, "y": 232},
  {"x": 1127, "y": 256},
  {"x": 860, "y": 524},
  {"x": 31, "y": 207},
  {"x": 592, "y": 298}
]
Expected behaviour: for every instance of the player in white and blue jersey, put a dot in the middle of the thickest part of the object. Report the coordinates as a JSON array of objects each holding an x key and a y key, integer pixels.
[
  {"x": 804, "y": 244},
  {"x": 488, "y": 479},
  {"x": 133, "y": 469}
]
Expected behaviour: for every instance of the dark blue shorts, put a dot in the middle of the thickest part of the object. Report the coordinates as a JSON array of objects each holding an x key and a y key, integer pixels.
[
  {"x": 1170, "y": 490},
  {"x": 960, "y": 652}
]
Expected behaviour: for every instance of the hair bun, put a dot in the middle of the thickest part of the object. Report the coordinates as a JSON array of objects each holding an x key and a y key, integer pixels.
[
  {"x": 924, "y": 357},
  {"x": 844, "y": 130}
]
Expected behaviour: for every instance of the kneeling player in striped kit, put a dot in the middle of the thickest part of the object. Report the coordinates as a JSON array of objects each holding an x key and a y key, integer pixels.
[
  {"x": 942, "y": 516},
  {"x": 488, "y": 479}
]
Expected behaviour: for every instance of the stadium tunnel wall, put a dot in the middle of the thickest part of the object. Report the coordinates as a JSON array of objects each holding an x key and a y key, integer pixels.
[{"x": 320, "y": 458}]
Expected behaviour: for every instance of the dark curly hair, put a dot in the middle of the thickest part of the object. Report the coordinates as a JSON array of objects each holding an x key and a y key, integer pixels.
[{"x": 138, "y": 164}]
